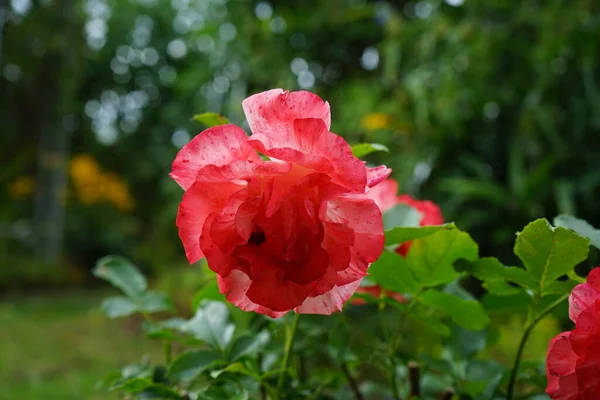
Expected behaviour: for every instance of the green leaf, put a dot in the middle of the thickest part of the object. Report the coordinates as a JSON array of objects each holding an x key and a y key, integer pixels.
[
  {"x": 118, "y": 306},
  {"x": 211, "y": 324},
  {"x": 164, "y": 329},
  {"x": 401, "y": 215},
  {"x": 467, "y": 343},
  {"x": 560, "y": 287},
  {"x": 121, "y": 274},
  {"x": 431, "y": 324},
  {"x": 190, "y": 364},
  {"x": 489, "y": 268},
  {"x": 391, "y": 272},
  {"x": 235, "y": 368},
  {"x": 162, "y": 392},
  {"x": 362, "y": 149},
  {"x": 465, "y": 313},
  {"x": 209, "y": 292},
  {"x": 579, "y": 226},
  {"x": 210, "y": 119},
  {"x": 431, "y": 257},
  {"x": 399, "y": 235},
  {"x": 549, "y": 253},
  {"x": 513, "y": 304},
  {"x": 496, "y": 276},
  {"x": 133, "y": 385},
  {"x": 155, "y": 302},
  {"x": 242, "y": 395},
  {"x": 214, "y": 392},
  {"x": 248, "y": 344},
  {"x": 500, "y": 287}
]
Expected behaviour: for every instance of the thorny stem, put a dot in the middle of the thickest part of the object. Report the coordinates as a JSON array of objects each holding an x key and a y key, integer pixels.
[
  {"x": 289, "y": 341},
  {"x": 528, "y": 329}
]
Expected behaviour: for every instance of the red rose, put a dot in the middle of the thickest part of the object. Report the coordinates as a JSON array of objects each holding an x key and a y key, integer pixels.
[
  {"x": 294, "y": 232},
  {"x": 573, "y": 358},
  {"x": 386, "y": 197}
]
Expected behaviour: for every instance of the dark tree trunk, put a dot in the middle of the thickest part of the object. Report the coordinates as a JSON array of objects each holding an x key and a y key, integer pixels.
[{"x": 54, "y": 144}]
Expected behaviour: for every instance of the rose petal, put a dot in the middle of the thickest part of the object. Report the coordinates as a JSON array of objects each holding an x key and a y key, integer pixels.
[
  {"x": 234, "y": 287},
  {"x": 561, "y": 358},
  {"x": 587, "y": 329},
  {"x": 270, "y": 290},
  {"x": 219, "y": 145},
  {"x": 560, "y": 369},
  {"x": 432, "y": 215},
  {"x": 587, "y": 371},
  {"x": 311, "y": 145},
  {"x": 377, "y": 175},
  {"x": 564, "y": 388},
  {"x": 584, "y": 295},
  {"x": 197, "y": 204},
  {"x": 362, "y": 216},
  {"x": 242, "y": 170},
  {"x": 385, "y": 194},
  {"x": 329, "y": 302},
  {"x": 337, "y": 241},
  {"x": 233, "y": 225},
  {"x": 271, "y": 113}
]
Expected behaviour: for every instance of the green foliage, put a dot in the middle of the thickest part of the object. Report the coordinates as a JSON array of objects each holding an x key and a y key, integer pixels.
[
  {"x": 403, "y": 234},
  {"x": 392, "y": 272},
  {"x": 465, "y": 313},
  {"x": 210, "y": 324},
  {"x": 549, "y": 253},
  {"x": 210, "y": 119},
  {"x": 431, "y": 258},
  {"x": 581, "y": 227},
  {"x": 125, "y": 276},
  {"x": 121, "y": 274},
  {"x": 425, "y": 314},
  {"x": 401, "y": 215},
  {"x": 496, "y": 131},
  {"x": 190, "y": 364},
  {"x": 364, "y": 149}
]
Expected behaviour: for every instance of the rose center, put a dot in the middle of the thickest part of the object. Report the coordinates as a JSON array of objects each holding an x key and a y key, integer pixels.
[{"x": 257, "y": 237}]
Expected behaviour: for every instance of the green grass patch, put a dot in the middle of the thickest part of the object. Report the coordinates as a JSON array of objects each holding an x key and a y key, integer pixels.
[{"x": 61, "y": 347}]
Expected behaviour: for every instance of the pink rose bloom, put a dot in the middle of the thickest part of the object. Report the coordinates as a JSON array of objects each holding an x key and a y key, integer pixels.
[
  {"x": 573, "y": 361},
  {"x": 296, "y": 232},
  {"x": 386, "y": 197}
]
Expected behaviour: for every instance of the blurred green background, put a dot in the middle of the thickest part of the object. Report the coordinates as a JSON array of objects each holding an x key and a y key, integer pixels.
[{"x": 491, "y": 108}]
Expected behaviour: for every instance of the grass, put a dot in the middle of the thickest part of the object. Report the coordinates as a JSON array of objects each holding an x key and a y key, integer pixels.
[{"x": 62, "y": 346}]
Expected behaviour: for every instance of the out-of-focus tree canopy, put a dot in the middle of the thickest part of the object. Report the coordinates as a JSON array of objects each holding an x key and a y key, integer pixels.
[{"x": 490, "y": 108}]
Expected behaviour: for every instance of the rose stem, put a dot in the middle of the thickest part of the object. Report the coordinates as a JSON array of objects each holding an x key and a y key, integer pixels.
[
  {"x": 289, "y": 341},
  {"x": 351, "y": 382},
  {"x": 528, "y": 329}
]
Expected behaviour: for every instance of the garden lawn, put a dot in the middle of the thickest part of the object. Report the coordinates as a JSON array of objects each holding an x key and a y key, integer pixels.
[{"x": 61, "y": 346}]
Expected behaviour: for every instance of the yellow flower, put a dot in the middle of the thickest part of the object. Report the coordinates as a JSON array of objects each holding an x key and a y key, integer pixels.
[
  {"x": 376, "y": 121},
  {"x": 92, "y": 185},
  {"x": 117, "y": 192},
  {"x": 21, "y": 187},
  {"x": 84, "y": 169}
]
